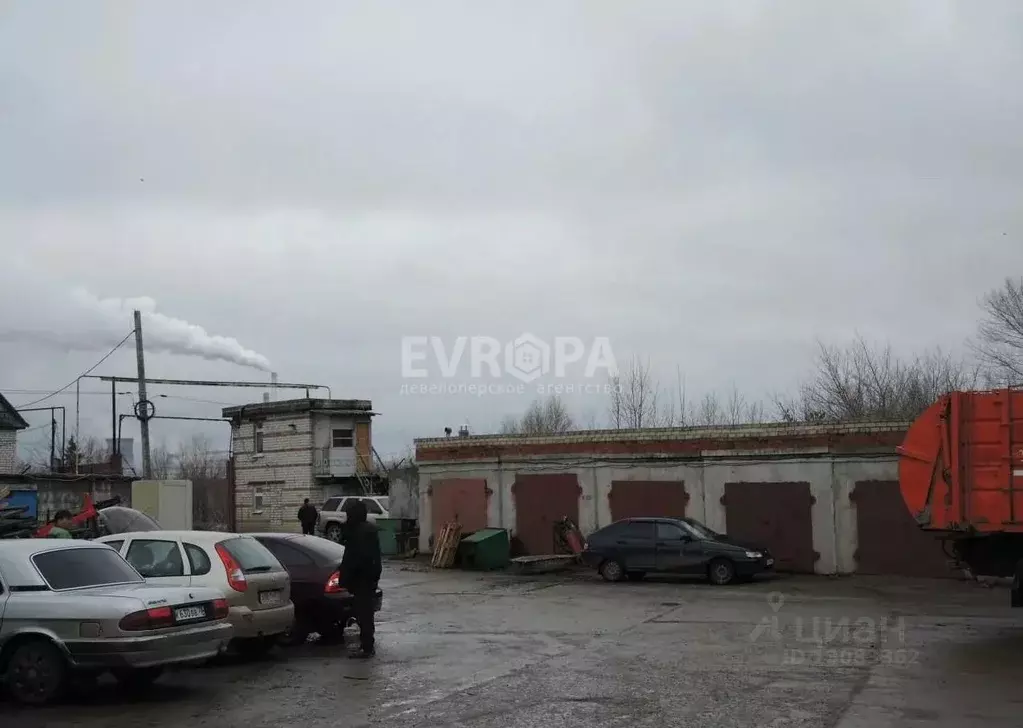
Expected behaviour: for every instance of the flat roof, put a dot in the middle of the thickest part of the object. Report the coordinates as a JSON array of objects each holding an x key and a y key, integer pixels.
[{"x": 355, "y": 407}]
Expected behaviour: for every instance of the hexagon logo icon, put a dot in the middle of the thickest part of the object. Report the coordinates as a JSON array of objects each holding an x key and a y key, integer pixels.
[{"x": 527, "y": 358}]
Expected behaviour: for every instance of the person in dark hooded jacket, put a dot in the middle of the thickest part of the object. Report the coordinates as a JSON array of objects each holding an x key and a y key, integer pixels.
[
  {"x": 360, "y": 573},
  {"x": 307, "y": 516}
]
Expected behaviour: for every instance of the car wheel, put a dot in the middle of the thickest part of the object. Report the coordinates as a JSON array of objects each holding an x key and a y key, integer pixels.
[
  {"x": 612, "y": 570},
  {"x": 331, "y": 634},
  {"x": 333, "y": 532},
  {"x": 721, "y": 572},
  {"x": 636, "y": 575},
  {"x": 138, "y": 678},
  {"x": 298, "y": 634},
  {"x": 37, "y": 673}
]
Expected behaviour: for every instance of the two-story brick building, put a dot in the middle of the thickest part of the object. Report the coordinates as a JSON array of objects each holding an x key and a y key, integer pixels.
[
  {"x": 10, "y": 423},
  {"x": 286, "y": 451}
]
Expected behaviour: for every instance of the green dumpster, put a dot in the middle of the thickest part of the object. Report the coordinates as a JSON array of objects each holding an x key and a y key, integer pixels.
[
  {"x": 486, "y": 549},
  {"x": 388, "y": 542},
  {"x": 389, "y": 524},
  {"x": 387, "y": 533}
]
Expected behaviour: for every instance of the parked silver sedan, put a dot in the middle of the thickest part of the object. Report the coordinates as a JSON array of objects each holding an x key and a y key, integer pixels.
[
  {"x": 256, "y": 585},
  {"x": 77, "y": 606}
]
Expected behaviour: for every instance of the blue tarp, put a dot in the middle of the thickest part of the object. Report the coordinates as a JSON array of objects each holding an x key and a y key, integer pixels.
[{"x": 24, "y": 498}]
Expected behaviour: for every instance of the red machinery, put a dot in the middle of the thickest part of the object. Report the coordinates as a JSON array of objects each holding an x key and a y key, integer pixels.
[
  {"x": 80, "y": 519},
  {"x": 961, "y": 475}
]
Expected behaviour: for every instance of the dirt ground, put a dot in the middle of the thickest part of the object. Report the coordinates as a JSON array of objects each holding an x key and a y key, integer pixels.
[{"x": 469, "y": 649}]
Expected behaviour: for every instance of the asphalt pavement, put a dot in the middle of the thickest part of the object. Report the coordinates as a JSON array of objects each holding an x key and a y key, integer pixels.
[{"x": 466, "y": 649}]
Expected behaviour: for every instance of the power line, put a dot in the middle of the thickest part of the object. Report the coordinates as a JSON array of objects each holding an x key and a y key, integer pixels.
[
  {"x": 11, "y": 390},
  {"x": 76, "y": 379}
]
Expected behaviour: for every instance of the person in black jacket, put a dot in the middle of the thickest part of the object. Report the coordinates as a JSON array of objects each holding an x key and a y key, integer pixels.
[
  {"x": 360, "y": 573},
  {"x": 307, "y": 517}
]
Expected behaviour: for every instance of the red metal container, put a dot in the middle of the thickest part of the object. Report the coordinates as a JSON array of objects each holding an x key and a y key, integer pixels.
[{"x": 961, "y": 464}]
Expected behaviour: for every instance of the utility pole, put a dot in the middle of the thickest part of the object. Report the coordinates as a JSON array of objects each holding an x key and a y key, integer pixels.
[
  {"x": 53, "y": 440},
  {"x": 78, "y": 421},
  {"x": 143, "y": 403},
  {"x": 114, "y": 445}
]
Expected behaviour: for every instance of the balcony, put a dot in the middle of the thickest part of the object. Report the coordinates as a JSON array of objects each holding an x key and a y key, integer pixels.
[{"x": 335, "y": 462}]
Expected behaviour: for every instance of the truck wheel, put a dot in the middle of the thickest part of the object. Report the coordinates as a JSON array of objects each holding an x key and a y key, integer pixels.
[
  {"x": 333, "y": 532},
  {"x": 37, "y": 673},
  {"x": 1016, "y": 594}
]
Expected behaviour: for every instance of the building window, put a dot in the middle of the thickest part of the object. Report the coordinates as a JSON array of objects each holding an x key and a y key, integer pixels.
[
  {"x": 257, "y": 499},
  {"x": 342, "y": 438},
  {"x": 259, "y": 437}
]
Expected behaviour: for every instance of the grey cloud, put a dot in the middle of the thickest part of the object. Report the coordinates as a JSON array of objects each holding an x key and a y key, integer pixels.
[{"x": 709, "y": 184}]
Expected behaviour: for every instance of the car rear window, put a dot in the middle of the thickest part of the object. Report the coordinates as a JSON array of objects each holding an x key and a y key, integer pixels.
[
  {"x": 82, "y": 567},
  {"x": 251, "y": 555},
  {"x": 331, "y": 504},
  {"x": 322, "y": 549}
]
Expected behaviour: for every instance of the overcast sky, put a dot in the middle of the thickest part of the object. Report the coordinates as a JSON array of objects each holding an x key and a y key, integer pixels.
[{"x": 711, "y": 185}]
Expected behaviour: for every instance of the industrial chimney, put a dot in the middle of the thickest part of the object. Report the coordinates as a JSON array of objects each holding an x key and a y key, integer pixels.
[
  {"x": 463, "y": 431},
  {"x": 273, "y": 385}
]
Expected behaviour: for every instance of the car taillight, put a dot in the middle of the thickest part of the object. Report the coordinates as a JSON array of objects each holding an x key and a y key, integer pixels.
[
  {"x": 155, "y": 618},
  {"x": 221, "y": 609},
  {"x": 333, "y": 584},
  {"x": 235, "y": 576}
]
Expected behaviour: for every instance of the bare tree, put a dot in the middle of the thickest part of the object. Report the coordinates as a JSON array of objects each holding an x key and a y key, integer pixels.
[
  {"x": 161, "y": 463},
  {"x": 197, "y": 460},
  {"x": 736, "y": 410},
  {"x": 511, "y": 425},
  {"x": 1000, "y": 334},
  {"x": 707, "y": 412},
  {"x": 635, "y": 399},
  {"x": 400, "y": 462},
  {"x": 865, "y": 382},
  {"x": 93, "y": 450},
  {"x": 543, "y": 417}
]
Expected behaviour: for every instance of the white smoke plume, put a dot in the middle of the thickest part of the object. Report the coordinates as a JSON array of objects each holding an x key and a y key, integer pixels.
[{"x": 80, "y": 320}]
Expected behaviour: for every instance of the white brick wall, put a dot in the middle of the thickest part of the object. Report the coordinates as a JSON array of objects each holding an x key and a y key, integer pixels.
[
  {"x": 8, "y": 450},
  {"x": 282, "y": 473}
]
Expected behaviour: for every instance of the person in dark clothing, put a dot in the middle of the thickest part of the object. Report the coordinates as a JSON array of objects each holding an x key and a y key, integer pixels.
[
  {"x": 360, "y": 573},
  {"x": 307, "y": 516}
]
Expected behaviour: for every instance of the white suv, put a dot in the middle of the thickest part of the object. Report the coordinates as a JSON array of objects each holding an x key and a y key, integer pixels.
[{"x": 334, "y": 513}]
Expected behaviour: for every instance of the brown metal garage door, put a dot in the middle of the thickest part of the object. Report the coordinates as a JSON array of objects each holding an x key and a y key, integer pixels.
[
  {"x": 541, "y": 501},
  {"x": 638, "y": 498},
  {"x": 889, "y": 541},
  {"x": 459, "y": 499},
  {"x": 774, "y": 515}
]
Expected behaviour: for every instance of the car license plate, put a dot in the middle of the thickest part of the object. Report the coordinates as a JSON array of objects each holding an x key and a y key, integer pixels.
[
  {"x": 270, "y": 598},
  {"x": 186, "y": 613},
  {"x": 770, "y": 562}
]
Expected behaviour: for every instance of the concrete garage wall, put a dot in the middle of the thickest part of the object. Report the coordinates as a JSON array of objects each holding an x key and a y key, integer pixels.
[{"x": 831, "y": 459}]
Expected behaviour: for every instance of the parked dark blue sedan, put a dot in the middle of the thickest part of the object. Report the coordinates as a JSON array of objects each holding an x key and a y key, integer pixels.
[{"x": 635, "y": 547}]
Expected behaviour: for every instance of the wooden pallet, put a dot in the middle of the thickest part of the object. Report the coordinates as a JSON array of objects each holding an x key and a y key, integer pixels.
[{"x": 446, "y": 548}]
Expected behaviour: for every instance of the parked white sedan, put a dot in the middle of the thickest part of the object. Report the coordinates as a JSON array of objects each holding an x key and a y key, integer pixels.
[
  {"x": 68, "y": 606},
  {"x": 257, "y": 587}
]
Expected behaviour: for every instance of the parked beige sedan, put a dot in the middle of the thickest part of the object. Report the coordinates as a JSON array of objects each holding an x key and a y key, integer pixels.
[{"x": 257, "y": 587}]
